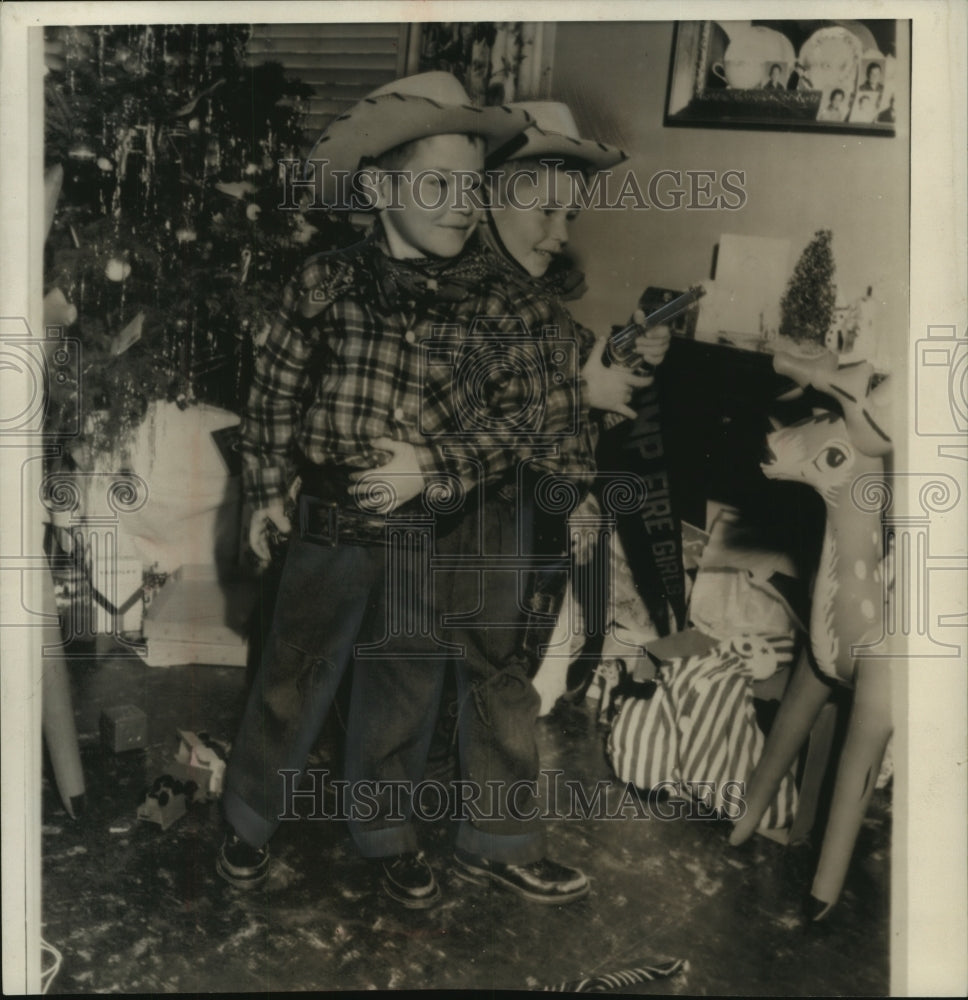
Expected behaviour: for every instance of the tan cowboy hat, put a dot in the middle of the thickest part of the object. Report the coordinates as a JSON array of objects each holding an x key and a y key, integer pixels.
[
  {"x": 412, "y": 108},
  {"x": 555, "y": 134}
]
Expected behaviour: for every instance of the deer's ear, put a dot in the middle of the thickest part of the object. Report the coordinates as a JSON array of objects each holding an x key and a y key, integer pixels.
[
  {"x": 774, "y": 423},
  {"x": 819, "y": 411}
]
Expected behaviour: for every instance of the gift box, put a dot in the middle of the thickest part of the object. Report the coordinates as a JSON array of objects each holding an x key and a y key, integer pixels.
[
  {"x": 201, "y": 759},
  {"x": 196, "y": 617},
  {"x": 124, "y": 727}
]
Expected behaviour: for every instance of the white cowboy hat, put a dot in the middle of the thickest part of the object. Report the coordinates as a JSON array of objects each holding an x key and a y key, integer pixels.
[
  {"x": 554, "y": 134},
  {"x": 411, "y": 108}
]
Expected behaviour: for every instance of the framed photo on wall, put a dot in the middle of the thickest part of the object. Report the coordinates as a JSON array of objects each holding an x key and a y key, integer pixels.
[{"x": 831, "y": 76}]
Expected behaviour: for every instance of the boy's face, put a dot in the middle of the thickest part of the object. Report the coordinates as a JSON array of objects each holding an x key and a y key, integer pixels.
[
  {"x": 531, "y": 213},
  {"x": 429, "y": 212}
]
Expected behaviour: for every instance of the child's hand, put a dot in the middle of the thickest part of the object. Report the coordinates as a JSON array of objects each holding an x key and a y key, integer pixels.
[
  {"x": 267, "y": 521},
  {"x": 402, "y": 474},
  {"x": 651, "y": 345},
  {"x": 610, "y": 388}
]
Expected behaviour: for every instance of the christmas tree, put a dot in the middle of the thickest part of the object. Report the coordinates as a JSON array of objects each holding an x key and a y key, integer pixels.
[
  {"x": 807, "y": 306},
  {"x": 168, "y": 238}
]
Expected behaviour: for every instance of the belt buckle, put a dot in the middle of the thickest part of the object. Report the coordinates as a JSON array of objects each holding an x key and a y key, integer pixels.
[{"x": 319, "y": 521}]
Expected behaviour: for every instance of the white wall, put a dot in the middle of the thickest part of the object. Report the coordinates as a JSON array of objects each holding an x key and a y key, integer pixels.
[{"x": 614, "y": 76}]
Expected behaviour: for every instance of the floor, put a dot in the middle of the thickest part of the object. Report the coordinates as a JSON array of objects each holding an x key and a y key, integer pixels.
[{"x": 135, "y": 908}]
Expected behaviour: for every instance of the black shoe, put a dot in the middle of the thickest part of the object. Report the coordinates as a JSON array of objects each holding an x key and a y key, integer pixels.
[
  {"x": 241, "y": 865},
  {"x": 408, "y": 879},
  {"x": 543, "y": 881}
]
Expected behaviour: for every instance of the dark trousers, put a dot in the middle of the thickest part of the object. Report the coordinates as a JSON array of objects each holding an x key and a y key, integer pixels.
[
  {"x": 328, "y": 600},
  {"x": 394, "y": 707}
]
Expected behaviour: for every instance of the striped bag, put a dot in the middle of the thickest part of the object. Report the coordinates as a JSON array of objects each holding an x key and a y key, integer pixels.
[{"x": 700, "y": 726}]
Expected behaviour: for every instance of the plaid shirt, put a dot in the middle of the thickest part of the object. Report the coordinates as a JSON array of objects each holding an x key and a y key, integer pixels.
[{"x": 365, "y": 346}]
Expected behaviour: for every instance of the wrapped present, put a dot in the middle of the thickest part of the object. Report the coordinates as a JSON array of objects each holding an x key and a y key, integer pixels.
[
  {"x": 697, "y": 732},
  {"x": 199, "y": 617},
  {"x": 202, "y": 760}
]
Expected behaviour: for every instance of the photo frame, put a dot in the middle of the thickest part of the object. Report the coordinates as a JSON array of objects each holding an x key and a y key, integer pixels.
[{"x": 825, "y": 76}]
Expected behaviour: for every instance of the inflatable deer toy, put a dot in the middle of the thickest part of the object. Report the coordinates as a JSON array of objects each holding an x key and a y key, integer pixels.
[{"x": 829, "y": 453}]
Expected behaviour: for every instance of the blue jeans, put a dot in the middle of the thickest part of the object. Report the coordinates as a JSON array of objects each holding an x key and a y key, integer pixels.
[
  {"x": 328, "y": 599},
  {"x": 394, "y": 706}
]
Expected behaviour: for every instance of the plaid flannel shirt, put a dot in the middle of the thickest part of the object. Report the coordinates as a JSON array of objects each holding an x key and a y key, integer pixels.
[{"x": 351, "y": 358}]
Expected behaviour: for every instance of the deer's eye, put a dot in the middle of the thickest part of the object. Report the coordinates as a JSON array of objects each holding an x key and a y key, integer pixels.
[{"x": 831, "y": 458}]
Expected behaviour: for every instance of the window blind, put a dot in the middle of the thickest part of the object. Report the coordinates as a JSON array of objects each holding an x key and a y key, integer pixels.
[{"x": 342, "y": 62}]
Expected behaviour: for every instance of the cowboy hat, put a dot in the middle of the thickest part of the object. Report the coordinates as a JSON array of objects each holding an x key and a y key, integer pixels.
[
  {"x": 554, "y": 134},
  {"x": 411, "y": 108}
]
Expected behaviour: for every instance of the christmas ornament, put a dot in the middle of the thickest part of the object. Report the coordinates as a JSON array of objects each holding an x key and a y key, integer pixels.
[
  {"x": 57, "y": 310},
  {"x": 131, "y": 334},
  {"x": 303, "y": 231},
  {"x": 117, "y": 270},
  {"x": 236, "y": 190},
  {"x": 252, "y": 212},
  {"x": 213, "y": 156},
  {"x": 105, "y": 164},
  {"x": 193, "y": 103}
]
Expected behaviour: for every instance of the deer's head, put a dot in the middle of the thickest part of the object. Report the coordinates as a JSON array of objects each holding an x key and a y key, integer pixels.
[{"x": 816, "y": 451}]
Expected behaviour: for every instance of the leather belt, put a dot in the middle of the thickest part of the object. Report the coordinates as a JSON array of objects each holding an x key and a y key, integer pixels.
[
  {"x": 325, "y": 522},
  {"x": 326, "y": 514}
]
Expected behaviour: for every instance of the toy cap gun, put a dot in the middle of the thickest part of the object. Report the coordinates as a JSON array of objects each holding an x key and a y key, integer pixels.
[{"x": 621, "y": 344}]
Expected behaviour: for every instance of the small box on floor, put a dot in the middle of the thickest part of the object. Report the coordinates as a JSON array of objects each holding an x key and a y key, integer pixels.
[
  {"x": 202, "y": 760},
  {"x": 124, "y": 727},
  {"x": 166, "y": 801}
]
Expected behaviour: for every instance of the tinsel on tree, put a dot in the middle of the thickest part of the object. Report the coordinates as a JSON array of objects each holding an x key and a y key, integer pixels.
[
  {"x": 807, "y": 306},
  {"x": 168, "y": 238}
]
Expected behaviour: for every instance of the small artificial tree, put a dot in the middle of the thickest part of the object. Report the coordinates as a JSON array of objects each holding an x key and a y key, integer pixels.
[{"x": 807, "y": 306}]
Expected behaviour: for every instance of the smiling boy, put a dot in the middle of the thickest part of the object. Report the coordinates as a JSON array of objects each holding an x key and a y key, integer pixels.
[
  {"x": 339, "y": 396},
  {"x": 388, "y": 737},
  {"x": 532, "y": 183},
  {"x": 337, "y": 389}
]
